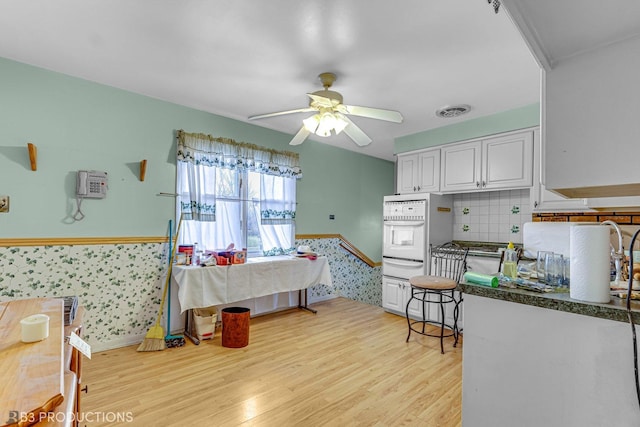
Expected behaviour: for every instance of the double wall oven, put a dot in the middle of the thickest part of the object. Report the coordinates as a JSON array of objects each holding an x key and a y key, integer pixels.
[{"x": 411, "y": 223}]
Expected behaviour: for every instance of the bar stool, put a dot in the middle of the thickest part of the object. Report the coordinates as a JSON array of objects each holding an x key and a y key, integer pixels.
[{"x": 448, "y": 263}]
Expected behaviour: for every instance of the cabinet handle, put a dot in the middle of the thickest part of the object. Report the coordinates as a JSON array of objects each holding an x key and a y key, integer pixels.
[
  {"x": 535, "y": 204},
  {"x": 477, "y": 184},
  {"x": 414, "y": 188},
  {"x": 85, "y": 389},
  {"x": 418, "y": 188},
  {"x": 484, "y": 184}
]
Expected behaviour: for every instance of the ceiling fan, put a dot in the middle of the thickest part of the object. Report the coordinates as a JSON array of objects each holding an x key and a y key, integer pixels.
[{"x": 331, "y": 115}]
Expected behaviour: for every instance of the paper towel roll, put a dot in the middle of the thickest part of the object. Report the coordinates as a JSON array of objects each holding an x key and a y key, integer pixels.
[
  {"x": 590, "y": 264},
  {"x": 34, "y": 328}
]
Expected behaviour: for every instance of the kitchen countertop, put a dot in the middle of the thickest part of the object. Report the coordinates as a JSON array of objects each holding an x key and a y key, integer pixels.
[{"x": 616, "y": 309}]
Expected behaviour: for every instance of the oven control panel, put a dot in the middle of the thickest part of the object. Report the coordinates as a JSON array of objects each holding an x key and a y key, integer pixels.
[{"x": 410, "y": 210}]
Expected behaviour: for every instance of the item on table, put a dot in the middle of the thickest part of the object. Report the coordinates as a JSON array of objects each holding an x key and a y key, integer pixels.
[
  {"x": 239, "y": 257},
  {"x": 540, "y": 263}
]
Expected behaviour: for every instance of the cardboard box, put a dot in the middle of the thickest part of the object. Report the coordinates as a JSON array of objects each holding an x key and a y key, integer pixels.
[{"x": 239, "y": 257}]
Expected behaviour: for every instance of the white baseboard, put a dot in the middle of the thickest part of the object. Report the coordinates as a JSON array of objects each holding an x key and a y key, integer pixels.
[
  {"x": 137, "y": 339},
  {"x": 117, "y": 343}
]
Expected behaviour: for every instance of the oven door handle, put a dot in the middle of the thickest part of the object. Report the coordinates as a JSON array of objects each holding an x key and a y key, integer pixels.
[
  {"x": 403, "y": 262},
  {"x": 405, "y": 223}
]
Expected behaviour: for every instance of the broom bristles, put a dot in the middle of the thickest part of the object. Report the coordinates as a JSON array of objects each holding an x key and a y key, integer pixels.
[{"x": 154, "y": 340}]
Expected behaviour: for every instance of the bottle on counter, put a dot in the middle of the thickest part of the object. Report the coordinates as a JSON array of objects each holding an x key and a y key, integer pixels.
[
  {"x": 194, "y": 252},
  {"x": 510, "y": 262}
]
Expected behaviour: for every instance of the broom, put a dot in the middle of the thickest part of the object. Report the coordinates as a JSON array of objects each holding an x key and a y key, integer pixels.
[
  {"x": 169, "y": 339},
  {"x": 154, "y": 340}
]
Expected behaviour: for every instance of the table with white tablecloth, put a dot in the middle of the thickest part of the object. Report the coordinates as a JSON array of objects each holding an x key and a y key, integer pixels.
[{"x": 207, "y": 286}]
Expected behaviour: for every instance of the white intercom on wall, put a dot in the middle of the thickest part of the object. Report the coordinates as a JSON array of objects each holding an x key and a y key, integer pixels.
[{"x": 92, "y": 184}]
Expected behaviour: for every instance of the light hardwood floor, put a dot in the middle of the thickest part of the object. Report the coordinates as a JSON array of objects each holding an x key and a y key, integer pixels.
[{"x": 347, "y": 365}]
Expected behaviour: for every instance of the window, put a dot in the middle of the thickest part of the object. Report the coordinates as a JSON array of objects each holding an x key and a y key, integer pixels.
[{"x": 231, "y": 192}]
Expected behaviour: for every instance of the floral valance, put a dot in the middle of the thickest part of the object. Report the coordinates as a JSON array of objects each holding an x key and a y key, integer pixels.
[{"x": 206, "y": 150}]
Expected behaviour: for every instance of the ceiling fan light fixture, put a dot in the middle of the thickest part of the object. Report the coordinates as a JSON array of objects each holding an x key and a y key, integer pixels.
[
  {"x": 330, "y": 115},
  {"x": 324, "y": 122},
  {"x": 340, "y": 123},
  {"x": 311, "y": 123},
  {"x": 327, "y": 122}
]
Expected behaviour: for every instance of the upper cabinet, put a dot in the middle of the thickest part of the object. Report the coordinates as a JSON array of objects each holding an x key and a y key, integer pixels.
[
  {"x": 499, "y": 163},
  {"x": 419, "y": 172},
  {"x": 543, "y": 200},
  {"x": 461, "y": 169},
  {"x": 589, "y": 95}
]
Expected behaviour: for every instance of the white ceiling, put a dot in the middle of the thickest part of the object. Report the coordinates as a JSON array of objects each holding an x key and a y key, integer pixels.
[
  {"x": 561, "y": 29},
  {"x": 238, "y": 58}
]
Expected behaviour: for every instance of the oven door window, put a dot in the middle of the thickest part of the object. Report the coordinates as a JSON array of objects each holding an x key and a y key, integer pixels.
[{"x": 402, "y": 236}]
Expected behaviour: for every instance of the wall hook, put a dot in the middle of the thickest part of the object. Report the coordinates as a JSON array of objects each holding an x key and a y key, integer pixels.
[
  {"x": 33, "y": 156},
  {"x": 143, "y": 169}
]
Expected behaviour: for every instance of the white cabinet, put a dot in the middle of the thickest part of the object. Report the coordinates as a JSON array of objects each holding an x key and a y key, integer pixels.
[
  {"x": 543, "y": 200},
  {"x": 499, "y": 163},
  {"x": 395, "y": 294},
  {"x": 461, "y": 169},
  {"x": 419, "y": 172}
]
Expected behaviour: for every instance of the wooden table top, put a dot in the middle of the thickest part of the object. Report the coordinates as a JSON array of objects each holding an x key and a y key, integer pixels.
[{"x": 32, "y": 374}]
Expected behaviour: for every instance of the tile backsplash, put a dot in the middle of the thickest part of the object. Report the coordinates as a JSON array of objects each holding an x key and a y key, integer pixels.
[{"x": 495, "y": 216}]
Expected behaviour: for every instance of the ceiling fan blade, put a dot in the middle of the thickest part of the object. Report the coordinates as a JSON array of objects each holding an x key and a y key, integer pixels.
[
  {"x": 372, "y": 113},
  {"x": 302, "y": 134},
  {"x": 355, "y": 133},
  {"x": 281, "y": 113}
]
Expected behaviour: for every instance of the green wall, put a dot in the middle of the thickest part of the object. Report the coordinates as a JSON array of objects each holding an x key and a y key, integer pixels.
[
  {"x": 518, "y": 118},
  {"x": 77, "y": 124}
]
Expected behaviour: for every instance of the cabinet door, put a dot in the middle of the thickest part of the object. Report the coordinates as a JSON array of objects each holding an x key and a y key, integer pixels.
[
  {"x": 543, "y": 200},
  {"x": 507, "y": 161},
  {"x": 407, "y": 181},
  {"x": 460, "y": 167},
  {"x": 393, "y": 295},
  {"x": 429, "y": 171}
]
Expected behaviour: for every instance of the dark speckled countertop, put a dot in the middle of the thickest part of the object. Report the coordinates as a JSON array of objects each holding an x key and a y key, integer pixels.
[{"x": 616, "y": 309}]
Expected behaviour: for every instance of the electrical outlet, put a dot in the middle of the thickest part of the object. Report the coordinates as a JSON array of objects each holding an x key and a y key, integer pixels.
[{"x": 332, "y": 216}]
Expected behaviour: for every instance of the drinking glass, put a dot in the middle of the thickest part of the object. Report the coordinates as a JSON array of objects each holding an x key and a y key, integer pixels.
[
  {"x": 542, "y": 257},
  {"x": 567, "y": 272},
  {"x": 554, "y": 269}
]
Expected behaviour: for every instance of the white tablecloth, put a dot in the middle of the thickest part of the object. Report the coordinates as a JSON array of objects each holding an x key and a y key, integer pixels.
[{"x": 206, "y": 286}]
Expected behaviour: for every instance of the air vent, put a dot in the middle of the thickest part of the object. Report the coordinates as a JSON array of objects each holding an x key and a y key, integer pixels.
[{"x": 453, "y": 111}]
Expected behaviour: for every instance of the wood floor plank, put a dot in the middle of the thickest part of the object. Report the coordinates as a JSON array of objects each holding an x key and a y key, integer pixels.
[{"x": 347, "y": 365}]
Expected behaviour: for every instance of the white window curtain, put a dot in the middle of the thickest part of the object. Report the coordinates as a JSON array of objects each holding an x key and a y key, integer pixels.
[
  {"x": 208, "y": 190},
  {"x": 277, "y": 213}
]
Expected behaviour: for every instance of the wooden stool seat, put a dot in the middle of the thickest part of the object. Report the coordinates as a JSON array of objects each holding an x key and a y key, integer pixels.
[{"x": 438, "y": 283}]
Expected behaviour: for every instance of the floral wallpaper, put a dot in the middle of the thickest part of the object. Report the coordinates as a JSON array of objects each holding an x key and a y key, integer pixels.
[
  {"x": 351, "y": 277},
  {"x": 120, "y": 286}
]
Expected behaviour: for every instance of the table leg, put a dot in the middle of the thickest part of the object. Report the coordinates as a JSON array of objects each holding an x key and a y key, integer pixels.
[
  {"x": 304, "y": 307},
  {"x": 188, "y": 320}
]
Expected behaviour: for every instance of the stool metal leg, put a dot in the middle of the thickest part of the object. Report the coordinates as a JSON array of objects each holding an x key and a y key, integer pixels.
[
  {"x": 441, "y": 324},
  {"x": 408, "y": 318}
]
